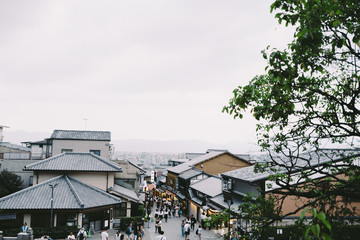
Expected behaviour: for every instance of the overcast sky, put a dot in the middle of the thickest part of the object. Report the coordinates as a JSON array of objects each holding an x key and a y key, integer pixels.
[{"x": 147, "y": 69}]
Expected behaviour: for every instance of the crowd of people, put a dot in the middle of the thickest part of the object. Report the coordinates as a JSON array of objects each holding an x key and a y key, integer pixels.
[
  {"x": 158, "y": 211},
  {"x": 165, "y": 209}
]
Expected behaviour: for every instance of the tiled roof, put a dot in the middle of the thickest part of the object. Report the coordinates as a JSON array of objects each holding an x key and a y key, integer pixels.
[
  {"x": 81, "y": 135},
  {"x": 210, "y": 186},
  {"x": 137, "y": 166},
  {"x": 87, "y": 162},
  {"x": 69, "y": 193},
  {"x": 14, "y": 146},
  {"x": 190, "y": 174},
  {"x": 180, "y": 168},
  {"x": 188, "y": 165},
  {"x": 305, "y": 160},
  {"x": 125, "y": 193},
  {"x": 247, "y": 174},
  {"x": 219, "y": 201}
]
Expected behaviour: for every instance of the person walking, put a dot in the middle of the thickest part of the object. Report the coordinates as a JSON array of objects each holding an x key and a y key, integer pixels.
[
  {"x": 71, "y": 236},
  {"x": 157, "y": 213},
  {"x": 81, "y": 234},
  {"x": 159, "y": 226},
  {"x": 203, "y": 217},
  {"x": 187, "y": 228},
  {"x": 142, "y": 232},
  {"x": 179, "y": 212},
  {"x": 148, "y": 220},
  {"x": 199, "y": 231},
  {"x": 118, "y": 235},
  {"x": 173, "y": 210},
  {"x": 135, "y": 231},
  {"x": 193, "y": 221},
  {"x": 161, "y": 214},
  {"x": 182, "y": 228},
  {"x": 129, "y": 232},
  {"x": 105, "y": 235},
  {"x": 161, "y": 237},
  {"x": 166, "y": 214}
]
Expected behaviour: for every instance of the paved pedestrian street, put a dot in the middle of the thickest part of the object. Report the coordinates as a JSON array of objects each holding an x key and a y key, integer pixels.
[{"x": 172, "y": 230}]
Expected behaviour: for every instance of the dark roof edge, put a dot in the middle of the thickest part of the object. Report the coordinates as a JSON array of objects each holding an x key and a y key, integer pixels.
[{"x": 74, "y": 192}]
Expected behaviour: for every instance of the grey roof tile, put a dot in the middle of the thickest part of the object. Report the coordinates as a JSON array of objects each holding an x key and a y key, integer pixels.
[
  {"x": 190, "y": 174},
  {"x": 247, "y": 174},
  {"x": 87, "y": 162},
  {"x": 305, "y": 160},
  {"x": 125, "y": 193},
  {"x": 81, "y": 135},
  {"x": 210, "y": 186},
  {"x": 137, "y": 166},
  {"x": 219, "y": 201},
  {"x": 69, "y": 193},
  {"x": 14, "y": 146}
]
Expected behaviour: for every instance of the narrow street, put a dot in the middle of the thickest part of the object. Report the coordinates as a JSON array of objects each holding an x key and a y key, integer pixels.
[{"x": 172, "y": 230}]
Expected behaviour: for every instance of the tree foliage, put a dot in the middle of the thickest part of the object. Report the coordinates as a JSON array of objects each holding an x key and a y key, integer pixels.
[
  {"x": 9, "y": 183},
  {"x": 307, "y": 100}
]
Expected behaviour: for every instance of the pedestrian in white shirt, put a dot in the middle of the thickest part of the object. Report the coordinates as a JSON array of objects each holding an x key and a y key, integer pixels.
[
  {"x": 105, "y": 235},
  {"x": 199, "y": 231},
  {"x": 161, "y": 237},
  {"x": 187, "y": 228},
  {"x": 71, "y": 236}
]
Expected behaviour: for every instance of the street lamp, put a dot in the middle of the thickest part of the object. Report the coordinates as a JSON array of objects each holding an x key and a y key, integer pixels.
[
  {"x": 229, "y": 202},
  {"x": 52, "y": 186}
]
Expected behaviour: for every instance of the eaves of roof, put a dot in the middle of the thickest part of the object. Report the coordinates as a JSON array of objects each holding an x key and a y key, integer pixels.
[
  {"x": 69, "y": 193},
  {"x": 81, "y": 135},
  {"x": 79, "y": 162},
  {"x": 125, "y": 193}
]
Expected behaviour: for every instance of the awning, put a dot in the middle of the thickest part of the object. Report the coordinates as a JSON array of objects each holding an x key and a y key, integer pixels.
[
  {"x": 197, "y": 201},
  {"x": 180, "y": 196},
  {"x": 214, "y": 207},
  {"x": 151, "y": 187}
]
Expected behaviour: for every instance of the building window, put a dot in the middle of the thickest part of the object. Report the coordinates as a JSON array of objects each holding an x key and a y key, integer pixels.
[
  {"x": 120, "y": 210},
  {"x": 96, "y": 152},
  {"x": 31, "y": 180},
  {"x": 66, "y": 150}
]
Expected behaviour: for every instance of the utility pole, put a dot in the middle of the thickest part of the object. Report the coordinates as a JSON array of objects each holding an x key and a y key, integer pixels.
[{"x": 52, "y": 203}]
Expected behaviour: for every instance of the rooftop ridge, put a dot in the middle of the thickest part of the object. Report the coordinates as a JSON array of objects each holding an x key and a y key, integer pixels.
[
  {"x": 74, "y": 192},
  {"x": 42, "y": 161},
  {"x": 94, "y": 188},
  {"x": 108, "y": 162},
  {"x": 54, "y": 163},
  {"x": 29, "y": 189}
]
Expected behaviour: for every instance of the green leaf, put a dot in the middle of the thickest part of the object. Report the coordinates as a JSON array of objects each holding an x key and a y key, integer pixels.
[
  {"x": 313, "y": 212},
  {"x": 322, "y": 217},
  {"x": 302, "y": 215}
]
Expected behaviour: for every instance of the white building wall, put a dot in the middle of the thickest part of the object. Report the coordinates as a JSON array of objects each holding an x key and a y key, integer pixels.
[
  {"x": 81, "y": 146},
  {"x": 97, "y": 179},
  {"x": 128, "y": 210},
  {"x": 193, "y": 209}
]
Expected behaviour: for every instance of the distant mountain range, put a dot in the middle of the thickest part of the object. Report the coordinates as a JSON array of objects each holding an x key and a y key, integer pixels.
[
  {"x": 141, "y": 145},
  {"x": 180, "y": 146}
]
